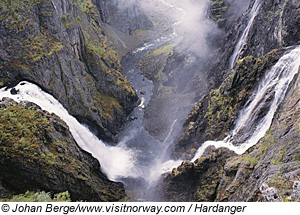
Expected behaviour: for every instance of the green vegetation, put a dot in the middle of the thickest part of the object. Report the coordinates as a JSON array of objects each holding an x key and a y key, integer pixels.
[
  {"x": 15, "y": 14},
  {"x": 110, "y": 105},
  {"x": 39, "y": 143},
  {"x": 87, "y": 7},
  {"x": 166, "y": 49},
  {"x": 24, "y": 135},
  {"x": 21, "y": 132},
  {"x": 219, "y": 106},
  {"x": 102, "y": 55},
  {"x": 17, "y": 17},
  {"x": 39, "y": 197},
  {"x": 219, "y": 9},
  {"x": 41, "y": 45},
  {"x": 107, "y": 105}
]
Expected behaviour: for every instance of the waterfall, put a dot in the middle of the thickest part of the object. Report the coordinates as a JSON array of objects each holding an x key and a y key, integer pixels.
[
  {"x": 239, "y": 46},
  {"x": 118, "y": 161},
  {"x": 273, "y": 87}
]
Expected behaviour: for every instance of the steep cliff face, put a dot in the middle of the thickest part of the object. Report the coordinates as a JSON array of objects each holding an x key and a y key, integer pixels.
[
  {"x": 38, "y": 152},
  {"x": 261, "y": 40},
  {"x": 214, "y": 116},
  {"x": 226, "y": 12},
  {"x": 63, "y": 47},
  {"x": 126, "y": 16},
  {"x": 275, "y": 158},
  {"x": 268, "y": 171},
  {"x": 273, "y": 27}
]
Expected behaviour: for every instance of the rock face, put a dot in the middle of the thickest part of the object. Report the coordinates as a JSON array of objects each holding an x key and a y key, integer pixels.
[
  {"x": 269, "y": 171},
  {"x": 214, "y": 116},
  {"x": 62, "y": 46},
  {"x": 275, "y": 160},
  {"x": 226, "y": 12},
  {"x": 196, "y": 181},
  {"x": 274, "y": 27},
  {"x": 126, "y": 16},
  {"x": 38, "y": 152}
]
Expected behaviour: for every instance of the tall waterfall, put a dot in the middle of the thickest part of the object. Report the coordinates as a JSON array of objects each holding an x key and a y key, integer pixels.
[
  {"x": 139, "y": 155},
  {"x": 273, "y": 87},
  {"x": 116, "y": 162},
  {"x": 239, "y": 46}
]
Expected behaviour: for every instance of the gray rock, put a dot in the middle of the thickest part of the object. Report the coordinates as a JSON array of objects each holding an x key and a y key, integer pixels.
[
  {"x": 65, "y": 50},
  {"x": 269, "y": 194}
]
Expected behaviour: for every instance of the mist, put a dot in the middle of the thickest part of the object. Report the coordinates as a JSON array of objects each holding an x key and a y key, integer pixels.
[
  {"x": 187, "y": 18},
  {"x": 187, "y": 28},
  {"x": 195, "y": 28},
  {"x": 125, "y": 4}
]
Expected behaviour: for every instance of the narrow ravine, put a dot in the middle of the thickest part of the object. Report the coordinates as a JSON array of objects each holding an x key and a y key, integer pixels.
[
  {"x": 150, "y": 153},
  {"x": 139, "y": 159}
]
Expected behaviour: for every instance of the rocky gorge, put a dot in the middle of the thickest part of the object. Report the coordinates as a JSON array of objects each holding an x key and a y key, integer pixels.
[{"x": 139, "y": 93}]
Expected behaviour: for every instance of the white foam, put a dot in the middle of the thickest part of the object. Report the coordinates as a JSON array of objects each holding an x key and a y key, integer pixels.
[
  {"x": 277, "y": 79},
  {"x": 116, "y": 161}
]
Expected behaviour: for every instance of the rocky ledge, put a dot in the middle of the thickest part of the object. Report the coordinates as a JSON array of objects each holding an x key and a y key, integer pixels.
[
  {"x": 38, "y": 153},
  {"x": 196, "y": 181}
]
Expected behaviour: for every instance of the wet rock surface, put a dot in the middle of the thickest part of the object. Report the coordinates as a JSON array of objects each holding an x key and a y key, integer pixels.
[
  {"x": 38, "y": 152},
  {"x": 274, "y": 27},
  {"x": 268, "y": 171}
]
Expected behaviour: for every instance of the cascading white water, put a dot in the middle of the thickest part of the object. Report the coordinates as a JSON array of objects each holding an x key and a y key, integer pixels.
[
  {"x": 116, "y": 161},
  {"x": 122, "y": 161},
  {"x": 127, "y": 159},
  {"x": 151, "y": 153},
  {"x": 275, "y": 83},
  {"x": 239, "y": 46}
]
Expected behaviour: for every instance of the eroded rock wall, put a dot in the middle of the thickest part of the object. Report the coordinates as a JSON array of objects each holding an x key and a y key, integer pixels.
[{"x": 63, "y": 47}]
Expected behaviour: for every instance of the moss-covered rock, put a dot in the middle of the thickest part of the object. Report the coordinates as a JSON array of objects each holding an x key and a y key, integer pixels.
[
  {"x": 213, "y": 117},
  {"x": 38, "y": 152},
  {"x": 274, "y": 161},
  {"x": 218, "y": 11},
  {"x": 30, "y": 196},
  {"x": 63, "y": 47},
  {"x": 196, "y": 181}
]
